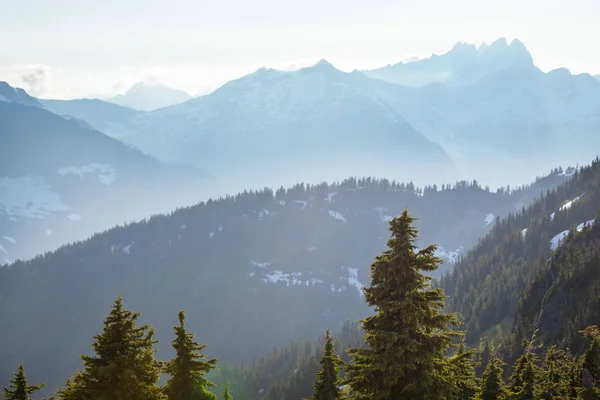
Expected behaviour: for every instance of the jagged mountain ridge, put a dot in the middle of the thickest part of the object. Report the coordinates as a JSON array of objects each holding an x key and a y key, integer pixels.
[
  {"x": 224, "y": 261},
  {"x": 463, "y": 64}
]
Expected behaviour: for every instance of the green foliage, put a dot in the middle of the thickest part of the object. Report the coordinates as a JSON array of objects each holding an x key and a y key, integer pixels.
[
  {"x": 559, "y": 377},
  {"x": 188, "y": 369},
  {"x": 464, "y": 372},
  {"x": 409, "y": 335},
  {"x": 124, "y": 366},
  {"x": 492, "y": 384},
  {"x": 226, "y": 393},
  {"x": 327, "y": 386},
  {"x": 591, "y": 357},
  {"x": 18, "y": 388}
]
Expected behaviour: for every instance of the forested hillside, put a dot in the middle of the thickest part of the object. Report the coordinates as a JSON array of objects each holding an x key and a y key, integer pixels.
[
  {"x": 412, "y": 349},
  {"x": 225, "y": 261},
  {"x": 488, "y": 282}
]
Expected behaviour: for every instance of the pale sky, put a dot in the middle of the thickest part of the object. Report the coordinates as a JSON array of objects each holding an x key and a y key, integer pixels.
[{"x": 77, "y": 48}]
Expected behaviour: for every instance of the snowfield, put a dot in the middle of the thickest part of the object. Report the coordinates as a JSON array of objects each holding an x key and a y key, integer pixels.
[{"x": 28, "y": 196}]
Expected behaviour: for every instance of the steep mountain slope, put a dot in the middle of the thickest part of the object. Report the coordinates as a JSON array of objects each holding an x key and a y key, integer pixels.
[
  {"x": 103, "y": 116},
  {"x": 225, "y": 261},
  {"x": 564, "y": 295},
  {"x": 60, "y": 181},
  {"x": 147, "y": 97},
  {"x": 487, "y": 284},
  {"x": 462, "y": 65}
]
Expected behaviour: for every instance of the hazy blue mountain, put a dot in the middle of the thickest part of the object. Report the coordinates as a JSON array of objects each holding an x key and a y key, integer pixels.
[
  {"x": 102, "y": 115},
  {"x": 597, "y": 77},
  {"x": 273, "y": 128},
  {"x": 16, "y": 95},
  {"x": 499, "y": 113},
  {"x": 143, "y": 96},
  {"x": 225, "y": 260},
  {"x": 61, "y": 181},
  {"x": 462, "y": 65},
  {"x": 518, "y": 118}
]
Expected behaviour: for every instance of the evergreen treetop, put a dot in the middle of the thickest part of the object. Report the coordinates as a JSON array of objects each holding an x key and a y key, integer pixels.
[
  {"x": 188, "y": 369},
  {"x": 492, "y": 384},
  {"x": 18, "y": 388},
  {"x": 124, "y": 367},
  {"x": 327, "y": 386},
  {"x": 408, "y": 336}
]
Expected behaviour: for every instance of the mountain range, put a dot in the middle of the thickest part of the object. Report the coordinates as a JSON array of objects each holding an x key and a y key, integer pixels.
[{"x": 498, "y": 111}]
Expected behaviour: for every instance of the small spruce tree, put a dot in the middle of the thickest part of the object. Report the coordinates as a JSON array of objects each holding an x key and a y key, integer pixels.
[
  {"x": 408, "y": 336},
  {"x": 327, "y": 385},
  {"x": 492, "y": 385},
  {"x": 18, "y": 388},
  {"x": 188, "y": 369},
  {"x": 124, "y": 367}
]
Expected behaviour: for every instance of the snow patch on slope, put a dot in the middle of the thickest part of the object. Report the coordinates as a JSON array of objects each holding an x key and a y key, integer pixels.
[
  {"x": 558, "y": 239},
  {"x": 569, "y": 203},
  {"x": 28, "y": 196},
  {"x": 337, "y": 215},
  {"x": 449, "y": 256},
  {"x": 9, "y": 239},
  {"x": 382, "y": 216},
  {"x": 585, "y": 224},
  {"x": 489, "y": 218},
  {"x": 105, "y": 173}
]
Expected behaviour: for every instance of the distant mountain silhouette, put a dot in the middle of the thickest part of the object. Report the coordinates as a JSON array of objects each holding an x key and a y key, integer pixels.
[{"x": 143, "y": 96}]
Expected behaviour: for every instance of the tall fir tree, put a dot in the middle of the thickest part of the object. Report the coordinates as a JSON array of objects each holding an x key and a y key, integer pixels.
[
  {"x": 188, "y": 369},
  {"x": 408, "y": 336},
  {"x": 464, "y": 372},
  {"x": 327, "y": 386},
  {"x": 19, "y": 389},
  {"x": 124, "y": 366},
  {"x": 492, "y": 384}
]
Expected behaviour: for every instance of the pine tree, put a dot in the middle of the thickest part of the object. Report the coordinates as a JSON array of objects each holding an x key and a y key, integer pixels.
[
  {"x": 124, "y": 366},
  {"x": 327, "y": 385},
  {"x": 408, "y": 336},
  {"x": 188, "y": 369},
  {"x": 226, "y": 394},
  {"x": 464, "y": 372},
  {"x": 492, "y": 385},
  {"x": 18, "y": 388}
]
